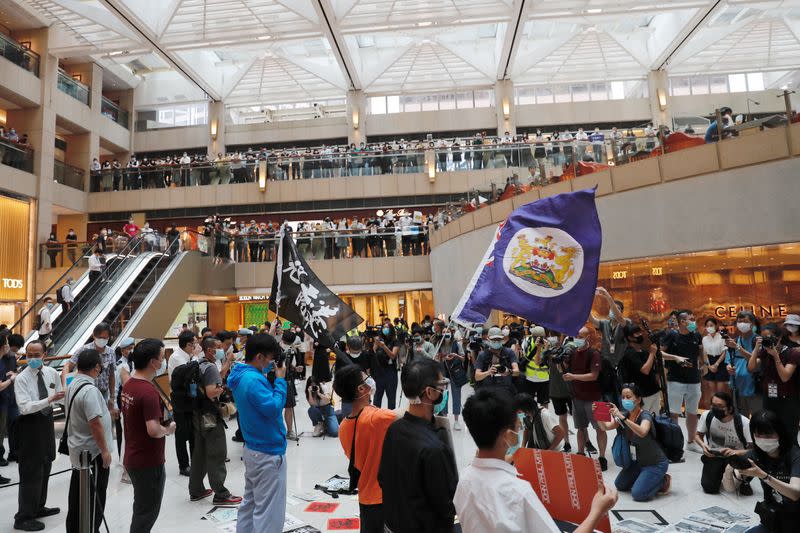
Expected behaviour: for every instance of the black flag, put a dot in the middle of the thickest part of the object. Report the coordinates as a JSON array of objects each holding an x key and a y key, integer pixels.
[{"x": 299, "y": 296}]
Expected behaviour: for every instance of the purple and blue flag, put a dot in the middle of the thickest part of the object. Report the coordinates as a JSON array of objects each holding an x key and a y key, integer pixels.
[{"x": 541, "y": 265}]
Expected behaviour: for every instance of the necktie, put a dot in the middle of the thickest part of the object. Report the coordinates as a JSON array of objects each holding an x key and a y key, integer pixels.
[{"x": 43, "y": 394}]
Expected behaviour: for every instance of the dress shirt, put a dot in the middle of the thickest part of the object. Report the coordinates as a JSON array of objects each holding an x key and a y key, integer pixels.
[
  {"x": 26, "y": 389},
  {"x": 95, "y": 264},
  {"x": 178, "y": 358},
  {"x": 109, "y": 361},
  {"x": 491, "y": 497},
  {"x": 66, "y": 294},
  {"x": 44, "y": 319}
]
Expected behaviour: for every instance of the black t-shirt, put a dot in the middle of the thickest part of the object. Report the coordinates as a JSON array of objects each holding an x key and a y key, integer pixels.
[
  {"x": 381, "y": 357},
  {"x": 688, "y": 346},
  {"x": 365, "y": 360},
  {"x": 631, "y": 365},
  {"x": 321, "y": 366},
  {"x": 782, "y": 469}
]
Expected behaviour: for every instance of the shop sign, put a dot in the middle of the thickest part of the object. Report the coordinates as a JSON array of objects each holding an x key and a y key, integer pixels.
[
  {"x": 14, "y": 220},
  {"x": 657, "y": 271},
  {"x": 760, "y": 311},
  {"x": 619, "y": 274},
  {"x": 252, "y": 298},
  {"x": 10, "y": 283}
]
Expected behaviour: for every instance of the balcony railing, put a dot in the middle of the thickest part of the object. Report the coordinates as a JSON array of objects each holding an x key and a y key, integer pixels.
[
  {"x": 74, "y": 88},
  {"x": 16, "y": 155},
  {"x": 19, "y": 55},
  {"x": 114, "y": 112},
  {"x": 68, "y": 175}
]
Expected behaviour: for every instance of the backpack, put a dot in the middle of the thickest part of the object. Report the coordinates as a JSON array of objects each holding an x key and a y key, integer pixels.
[
  {"x": 60, "y": 295},
  {"x": 737, "y": 424},
  {"x": 669, "y": 436},
  {"x": 185, "y": 383}
]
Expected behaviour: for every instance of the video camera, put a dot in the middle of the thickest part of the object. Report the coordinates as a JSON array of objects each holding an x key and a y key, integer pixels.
[
  {"x": 370, "y": 332},
  {"x": 283, "y": 356},
  {"x": 769, "y": 342},
  {"x": 516, "y": 331},
  {"x": 559, "y": 354},
  {"x": 475, "y": 342}
]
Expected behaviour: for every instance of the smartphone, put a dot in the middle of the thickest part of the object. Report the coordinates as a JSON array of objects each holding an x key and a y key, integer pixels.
[{"x": 602, "y": 411}]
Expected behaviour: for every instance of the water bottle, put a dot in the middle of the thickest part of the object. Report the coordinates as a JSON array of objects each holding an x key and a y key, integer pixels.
[{"x": 193, "y": 390}]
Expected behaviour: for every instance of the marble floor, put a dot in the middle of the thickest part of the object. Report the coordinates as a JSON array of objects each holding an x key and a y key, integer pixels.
[{"x": 314, "y": 460}]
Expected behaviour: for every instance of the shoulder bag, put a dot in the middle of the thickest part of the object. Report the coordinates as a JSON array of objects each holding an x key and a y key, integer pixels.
[{"x": 63, "y": 446}]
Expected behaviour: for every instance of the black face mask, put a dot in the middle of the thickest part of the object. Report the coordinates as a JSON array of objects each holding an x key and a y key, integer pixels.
[{"x": 719, "y": 412}]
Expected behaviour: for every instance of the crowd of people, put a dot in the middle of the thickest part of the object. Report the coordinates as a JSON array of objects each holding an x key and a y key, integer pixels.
[
  {"x": 527, "y": 150},
  {"x": 616, "y": 375},
  {"x": 13, "y": 148}
]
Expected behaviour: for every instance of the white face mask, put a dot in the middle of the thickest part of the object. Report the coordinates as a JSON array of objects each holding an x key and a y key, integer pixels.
[
  {"x": 552, "y": 341},
  {"x": 711, "y": 330},
  {"x": 744, "y": 327},
  {"x": 101, "y": 343},
  {"x": 768, "y": 445}
]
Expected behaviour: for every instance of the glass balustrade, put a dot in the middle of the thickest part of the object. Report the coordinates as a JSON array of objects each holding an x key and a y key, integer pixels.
[
  {"x": 19, "y": 55},
  {"x": 68, "y": 175},
  {"x": 111, "y": 110},
  {"x": 72, "y": 87},
  {"x": 16, "y": 155}
]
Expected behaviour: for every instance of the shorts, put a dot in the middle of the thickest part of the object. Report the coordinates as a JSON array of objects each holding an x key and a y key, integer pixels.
[
  {"x": 652, "y": 403},
  {"x": 562, "y": 406},
  {"x": 683, "y": 393},
  {"x": 721, "y": 375},
  {"x": 582, "y": 414},
  {"x": 291, "y": 394}
]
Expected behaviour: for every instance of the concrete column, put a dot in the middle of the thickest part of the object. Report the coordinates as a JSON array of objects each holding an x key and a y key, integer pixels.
[
  {"x": 82, "y": 149},
  {"x": 504, "y": 107},
  {"x": 356, "y": 117},
  {"x": 216, "y": 119},
  {"x": 658, "y": 88}
]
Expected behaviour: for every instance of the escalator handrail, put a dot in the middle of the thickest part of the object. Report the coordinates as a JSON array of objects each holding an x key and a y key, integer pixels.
[
  {"x": 153, "y": 270},
  {"x": 54, "y": 285}
]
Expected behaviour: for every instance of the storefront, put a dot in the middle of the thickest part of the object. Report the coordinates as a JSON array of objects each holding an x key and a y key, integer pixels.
[{"x": 15, "y": 225}]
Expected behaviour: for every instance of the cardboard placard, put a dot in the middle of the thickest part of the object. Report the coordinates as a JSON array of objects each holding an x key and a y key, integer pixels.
[
  {"x": 341, "y": 524},
  {"x": 321, "y": 507}
]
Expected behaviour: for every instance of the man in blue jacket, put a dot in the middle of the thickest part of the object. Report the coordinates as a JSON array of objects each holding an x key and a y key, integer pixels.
[{"x": 260, "y": 402}]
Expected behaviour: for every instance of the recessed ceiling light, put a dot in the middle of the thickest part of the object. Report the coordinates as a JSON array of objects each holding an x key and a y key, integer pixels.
[
  {"x": 423, "y": 24},
  {"x": 594, "y": 11},
  {"x": 264, "y": 38}
]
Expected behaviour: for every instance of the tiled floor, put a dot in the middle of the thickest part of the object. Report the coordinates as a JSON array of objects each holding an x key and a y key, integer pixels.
[{"x": 315, "y": 460}]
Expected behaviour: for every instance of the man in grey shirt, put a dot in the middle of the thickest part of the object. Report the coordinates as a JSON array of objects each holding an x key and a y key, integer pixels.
[
  {"x": 89, "y": 429},
  {"x": 421, "y": 347},
  {"x": 613, "y": 344}
]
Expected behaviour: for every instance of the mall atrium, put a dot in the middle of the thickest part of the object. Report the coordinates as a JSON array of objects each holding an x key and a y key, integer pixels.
[{"x": 152, "y": 150}]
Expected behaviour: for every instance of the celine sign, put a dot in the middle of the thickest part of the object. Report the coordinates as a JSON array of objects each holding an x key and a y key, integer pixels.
[{"x": 760, "y": 311}]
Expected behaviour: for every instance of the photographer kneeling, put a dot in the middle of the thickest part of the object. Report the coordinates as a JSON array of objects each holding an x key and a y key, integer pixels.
[
  {"x": 320, "y": 409},
  {"x": 647, "y": 475},
  {"x": 723, "y": 433},
  {"x": 775, "y": 460}
]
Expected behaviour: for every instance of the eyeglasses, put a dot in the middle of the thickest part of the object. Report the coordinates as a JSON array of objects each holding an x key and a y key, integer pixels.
[{"x": 628, "y": 386}]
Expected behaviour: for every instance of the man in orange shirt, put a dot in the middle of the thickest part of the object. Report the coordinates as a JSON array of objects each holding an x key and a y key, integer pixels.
[{"x": 368, "y": 425}]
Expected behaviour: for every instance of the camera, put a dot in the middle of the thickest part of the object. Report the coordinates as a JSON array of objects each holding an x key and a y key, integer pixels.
[
  {"x": 370, "y": 332},
  {"x": 501, "y": 369},
  {"x": 475, "y": 342},
  {"x": 282, "y": 357},
  {"x": 769, "y": 342},
  {"x": 738, "y": 462},
  {"x": 560, "y": 354}
]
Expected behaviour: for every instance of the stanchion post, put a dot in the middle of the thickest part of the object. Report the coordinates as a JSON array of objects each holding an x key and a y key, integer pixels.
[{"x": 85, "y": 500}]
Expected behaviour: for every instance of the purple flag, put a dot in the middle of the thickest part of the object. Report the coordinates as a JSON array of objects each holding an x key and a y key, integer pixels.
[{"x": 541, "y": 265}]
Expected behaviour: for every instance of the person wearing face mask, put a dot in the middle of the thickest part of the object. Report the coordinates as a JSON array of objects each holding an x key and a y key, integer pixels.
[
  {"x": 182, "y": 411},
  {"x": 535, "y": 378},
  {"x": 497, "y": 365},
  {"x": 89, "y": 429},
  {"x": 683, "y": 352},
  {"x": 8, "y": 367},
  {"x": 740, "y": 352},
  {"x": 261, "y": 402},
  {"x": 367, "y": 425},
  {"x": 723, "y": 433},
  {"x": 45, "y": 320},
  {"x": 72, "y": 247},
  {"x": 210, "y": 446},
  {"x": 67, "y": 298},
  {"x": 559, "y": 391},
  {"x": 775, "y": 461},
  {"x": 417, "y": 473},
  {"x": 53, "y": 249},
  {"x": 646, "y": 475},
  {"x": 716, "y": 379},
  {"x": 712, "y": 132},
  {"x": 778, "y": 367},
  {"x": 420, "y": 347},
  {"x": 386, "y": 349},
  {"x": 36, "y": 389},
  {"x": 145, "y": 432},
  {"x": 490, "y": 495},
  {"x": 124, "y": 368},
  {"x": 106, "y": 381},
  {"x": 612, "y": 343},
  {"x": 451, "y": 355},
  {"x": 584, "y": 370},
  {"x": 792, "y": 327},
  {"x": 540, "y": 429},
  {"x": 638, "y": 366}
]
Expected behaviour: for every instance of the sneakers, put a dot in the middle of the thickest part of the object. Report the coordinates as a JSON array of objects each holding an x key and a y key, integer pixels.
[
  {"x": 125, "y": 477},
  {"x": 693, "y": 447},
  {"x": 230, "y": 499},
  {"x": 47, "y": 511},
  {"x": 318, "y": 430},
  {"x": 603, "y": 463},
  {"x": 457, "y": 425},
  {"x": 665, "y": 485},
  {"x": 567, "y": 447},
  {"x": 590, "y": 447},
  {"x": 291, "y": 435},
  {"x": 745, "y": 489},
  {"x": 205, "y": 494},
  {"x": 28, "y": 525}
]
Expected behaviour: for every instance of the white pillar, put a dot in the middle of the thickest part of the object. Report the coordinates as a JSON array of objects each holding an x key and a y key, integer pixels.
[
  {"x": 658, "y": 88},
  {"x": 504, "y": 107},
  {"x": 356, "y": 117},
  {"x": 216, "y": 128}
]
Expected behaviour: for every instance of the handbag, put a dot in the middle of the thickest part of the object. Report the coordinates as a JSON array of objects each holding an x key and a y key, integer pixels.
[
  {"x": 63, "y": 446},
  {"x": 621, "y": 451},
  {"x": 458, "y": 376}
]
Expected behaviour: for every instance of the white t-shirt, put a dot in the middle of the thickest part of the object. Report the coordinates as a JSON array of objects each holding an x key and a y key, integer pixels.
[
  {"x": 490, "y": 497},
  {"x": 723, "y": 434},
  {"x": 178, "y": 358},
  {"x": 44, "y": 319},
  {"x": 549, "y": 421},
  {"x": 713, "y": 345}
]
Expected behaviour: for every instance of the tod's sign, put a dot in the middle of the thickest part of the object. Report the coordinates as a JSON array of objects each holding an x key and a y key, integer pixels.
[{"x": 10, "y": 283}]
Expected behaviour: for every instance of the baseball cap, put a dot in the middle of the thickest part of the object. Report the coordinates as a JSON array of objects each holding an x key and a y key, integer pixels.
[
  {"x": 126, "y": 342},
  {"x": 793, "y": 320},
  {"x": 245, "y": 331},
  {"x": 537, "y": 331},
  {"x": 495, "y": 334}
]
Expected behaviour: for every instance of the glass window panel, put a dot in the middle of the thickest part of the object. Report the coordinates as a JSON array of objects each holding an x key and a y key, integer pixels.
[
  {"x": 377, "y": 105},
  {"x": 526, "y": 95},
  {"x": 181, "y": 116},
  {"x": 447, "y": 101},
  {"x": 679, "y": 86},
  {"x": 544, "y": 95},
  {"x": 738, "y": 83},
  {"x": 617, "y": 91},
  {"x": 719, "y": 84},
  {"x": 166, "y": 116},
  {"x": 393, "y": 104},
  {"x": 755, "y": 81},
  {"x": 562, "y": 94},
  {"x": 599, "y": 91},
  {"x": 484, "y": 98},
  {"x": 464, "y": 100},
  {"x": 430, "y": 103},
  {"x": 410, "y": 103},
  {"x": 580, "y": 92},
  {"x": 700, "y": 85}
]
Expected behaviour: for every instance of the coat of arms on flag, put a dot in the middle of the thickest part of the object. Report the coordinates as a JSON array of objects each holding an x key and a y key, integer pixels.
[{"x": 541, "y": 265}]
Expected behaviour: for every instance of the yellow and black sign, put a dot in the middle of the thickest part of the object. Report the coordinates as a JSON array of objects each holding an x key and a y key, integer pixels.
[{"x": 14, "y": 220}]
